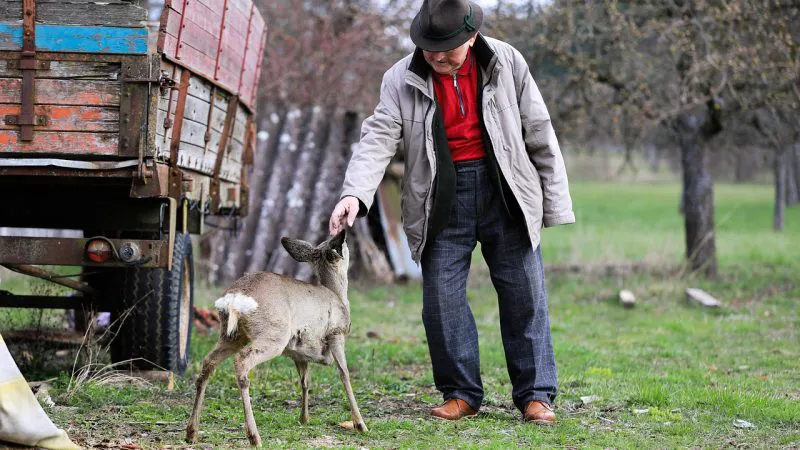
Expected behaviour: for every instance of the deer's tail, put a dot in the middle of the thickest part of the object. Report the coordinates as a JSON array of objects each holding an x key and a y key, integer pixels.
[{"x": 234, "y": 304}]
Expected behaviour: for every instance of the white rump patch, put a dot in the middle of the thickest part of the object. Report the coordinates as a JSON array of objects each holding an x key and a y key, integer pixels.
[{"x": 236, "y": 301}]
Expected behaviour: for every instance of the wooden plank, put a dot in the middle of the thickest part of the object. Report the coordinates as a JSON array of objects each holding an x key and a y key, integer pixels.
[
  {"x": 207, "y": 20},
  {"x": 79, "y": 12},
  {"x": 255, "y": 49},
  {"x": 61, "y": 142},
  {"x": 91, "y": 14},
  {"x": 176, "y": 5},
  {"x": 201, "y": 39},
  {"x": 197, "y": 111},
  {"x": 192, "y": 58},
  {"x": 246, "y": 50},
  {"x": 243, "y": 6},
  {"x": 74, "y": 70},
  {"x": 11, "y": 35},
  {"x": 68, "y": 38},
  {"x": 240, "y": 125},
  {"x": 11, "y": 10},
  {"x": 702, "y": 298},
  {"x": 68, "y": 118},
  {"x": 169, "y": 25},
  {"x": 64, "y": 92}
]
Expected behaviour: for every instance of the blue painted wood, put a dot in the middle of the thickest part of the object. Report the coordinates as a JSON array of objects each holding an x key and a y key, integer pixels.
[
  {"x": 10, "y": 37},
  {"x": 64, "y": 38}
]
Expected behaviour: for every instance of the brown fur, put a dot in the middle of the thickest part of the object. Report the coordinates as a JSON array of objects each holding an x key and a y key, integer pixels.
[{"x": 296, "y": 319}]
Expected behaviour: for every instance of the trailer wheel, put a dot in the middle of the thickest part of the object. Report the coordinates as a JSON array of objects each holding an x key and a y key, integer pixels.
[{"x": 154, "y": 322}]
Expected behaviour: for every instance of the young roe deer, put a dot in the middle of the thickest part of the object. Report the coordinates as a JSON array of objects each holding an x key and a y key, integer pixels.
[{"x": 280, "y": 315}]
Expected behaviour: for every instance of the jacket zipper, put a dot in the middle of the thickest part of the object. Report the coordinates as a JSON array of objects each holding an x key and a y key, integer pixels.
[{"x": 460, "y": 97}]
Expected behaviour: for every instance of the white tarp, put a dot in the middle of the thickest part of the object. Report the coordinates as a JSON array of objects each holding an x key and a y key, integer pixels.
[{"x": 22, "y": 419}]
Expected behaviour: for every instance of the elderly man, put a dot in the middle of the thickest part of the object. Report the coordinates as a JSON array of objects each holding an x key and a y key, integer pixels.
[{"x": 482, "y": 164}]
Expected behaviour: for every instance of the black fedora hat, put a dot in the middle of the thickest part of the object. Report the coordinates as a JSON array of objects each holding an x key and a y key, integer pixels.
[{"x": 442, "y": 25}]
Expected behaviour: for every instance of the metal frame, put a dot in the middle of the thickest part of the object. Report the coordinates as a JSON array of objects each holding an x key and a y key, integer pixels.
[{"x": 71, "y": 251}]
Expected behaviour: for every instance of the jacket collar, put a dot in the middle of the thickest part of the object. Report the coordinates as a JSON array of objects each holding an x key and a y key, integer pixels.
[{"x": 418, "y": 73}]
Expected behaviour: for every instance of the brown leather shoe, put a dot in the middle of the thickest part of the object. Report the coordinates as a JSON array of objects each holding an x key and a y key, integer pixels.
[
  {"x": 539, "y": 413},
  {"x": 453, "y": 409}
]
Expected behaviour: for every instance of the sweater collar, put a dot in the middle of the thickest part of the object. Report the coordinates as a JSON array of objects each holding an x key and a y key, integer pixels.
[{"x": 419, "y": 69}]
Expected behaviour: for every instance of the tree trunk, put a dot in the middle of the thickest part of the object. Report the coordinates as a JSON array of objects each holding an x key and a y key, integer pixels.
[
  {"x": 793, "y": 175},
  {"x": 299, "y": 195},
  {"x": 275, "y": 198},
  {"x": 698, "y": 193},
  {"x": 780, "y": 190},
  {"x": 241, "y": 249},
  {"x": 368, "y": 256},
  {"x": 329, "y": 183}
]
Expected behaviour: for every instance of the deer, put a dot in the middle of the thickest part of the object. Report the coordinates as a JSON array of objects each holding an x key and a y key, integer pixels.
[{"x": 279, "y": 315}]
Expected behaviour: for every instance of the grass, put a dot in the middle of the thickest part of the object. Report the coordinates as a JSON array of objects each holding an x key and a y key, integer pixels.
[{"x": 668, "y": 374}]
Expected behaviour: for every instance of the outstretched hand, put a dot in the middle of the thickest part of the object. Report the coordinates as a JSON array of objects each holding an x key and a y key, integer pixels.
[{"x": 345, "y": 210}]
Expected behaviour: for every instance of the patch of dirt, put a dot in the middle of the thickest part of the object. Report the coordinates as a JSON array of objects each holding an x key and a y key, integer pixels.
[{"x": 324, "y": 442}]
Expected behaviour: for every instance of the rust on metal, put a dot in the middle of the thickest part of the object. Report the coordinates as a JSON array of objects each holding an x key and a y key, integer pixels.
[
  {"x": 67, "y": 172},
  {"x": 247, "y": 161},
  {"x": 227, "y": 130},
  {"x": 260, "y": 62},
  {"x": 16, "y": 64},
  {"x": 38, "y": 272},
  {"x": 163, "y": 25},
  {"x": 71, "y": 252},
  {"x": 154, "y": 183},
  {"x": 178, "y": 44},
  {"x": 133, "y": 106},
  {"x": 174, "y": 146},
  {"x": 60, "y": 56},
  {"x": 246, "y": 47},
  {"x": 207, "y": 135},
  {"x": 40, "y": 120},
  {"x": 27, "y": 118},
  {"x": 219, "y": 41}
]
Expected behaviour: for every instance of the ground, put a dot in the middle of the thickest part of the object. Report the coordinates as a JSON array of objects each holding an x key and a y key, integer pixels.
[{"x": 666, "y": 373}]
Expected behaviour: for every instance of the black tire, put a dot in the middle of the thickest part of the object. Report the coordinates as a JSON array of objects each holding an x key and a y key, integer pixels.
[{"x": 154, "y": 320}]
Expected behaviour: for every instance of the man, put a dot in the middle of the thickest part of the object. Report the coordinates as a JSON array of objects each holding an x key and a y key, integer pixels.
[{"x": 482, "y": 164}]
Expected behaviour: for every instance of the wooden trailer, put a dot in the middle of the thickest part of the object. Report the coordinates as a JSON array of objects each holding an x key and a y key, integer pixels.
[{"x": 132, "y": 131}]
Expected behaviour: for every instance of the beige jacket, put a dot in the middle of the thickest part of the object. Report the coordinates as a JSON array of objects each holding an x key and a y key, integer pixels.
[{"x": 517, "y": 123}]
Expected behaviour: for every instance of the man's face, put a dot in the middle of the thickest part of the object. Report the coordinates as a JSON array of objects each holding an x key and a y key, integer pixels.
[{"x": 450, "y": 61}]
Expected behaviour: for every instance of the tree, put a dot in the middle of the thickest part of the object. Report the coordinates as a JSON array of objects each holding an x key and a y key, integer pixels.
[
  {"x": 324, "y": 59},
  {"x": 680, "y": 64}
]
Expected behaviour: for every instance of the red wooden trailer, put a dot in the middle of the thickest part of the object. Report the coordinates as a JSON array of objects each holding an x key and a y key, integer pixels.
[{"x": 133, "y": 132}]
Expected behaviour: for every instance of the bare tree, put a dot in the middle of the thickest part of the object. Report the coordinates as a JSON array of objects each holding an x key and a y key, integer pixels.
[{"x": 685, "y": 65}]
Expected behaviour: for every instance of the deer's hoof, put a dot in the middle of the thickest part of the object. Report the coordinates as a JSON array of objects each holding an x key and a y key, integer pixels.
[
  {"x": 255, "y": 440},
  {"x": 362, "y": 427}
]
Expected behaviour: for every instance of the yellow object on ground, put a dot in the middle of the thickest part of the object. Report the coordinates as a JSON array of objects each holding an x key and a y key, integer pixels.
[{"x": 22, "y": 419}]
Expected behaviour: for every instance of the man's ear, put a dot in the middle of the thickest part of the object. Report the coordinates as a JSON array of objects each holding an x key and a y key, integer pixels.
[{"x": 301, "y": 251}]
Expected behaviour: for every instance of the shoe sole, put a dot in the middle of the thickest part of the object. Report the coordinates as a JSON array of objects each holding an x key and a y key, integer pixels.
[{"x": 454, "y": 420}]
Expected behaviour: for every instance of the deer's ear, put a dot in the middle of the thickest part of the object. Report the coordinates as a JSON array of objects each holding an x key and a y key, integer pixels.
[
  {"x": 301, "y": 251},
  {"x": 336, "y": 242}
]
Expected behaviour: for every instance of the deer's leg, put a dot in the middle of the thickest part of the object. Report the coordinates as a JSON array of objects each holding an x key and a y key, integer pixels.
[
  {"x": 302, "y": 369},
  {"x": 337, "y": 350},
  {"x": 222, "y": 350},
  {"x": 243, "y": 362}
]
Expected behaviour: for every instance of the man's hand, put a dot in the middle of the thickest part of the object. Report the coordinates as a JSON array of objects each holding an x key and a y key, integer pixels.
[{"x": 346, "y": 209}]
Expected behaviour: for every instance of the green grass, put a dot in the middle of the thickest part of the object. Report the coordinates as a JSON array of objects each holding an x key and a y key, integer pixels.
[
  {"x": 626, "y": 222},
  {"x": 669, "y": 374}
]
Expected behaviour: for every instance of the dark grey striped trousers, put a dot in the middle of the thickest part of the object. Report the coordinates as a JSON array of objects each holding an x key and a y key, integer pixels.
[{"x": 518, "y": 276}]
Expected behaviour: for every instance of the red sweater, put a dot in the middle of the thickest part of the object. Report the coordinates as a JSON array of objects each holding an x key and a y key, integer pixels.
[{"x": 462, "y": 126}]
